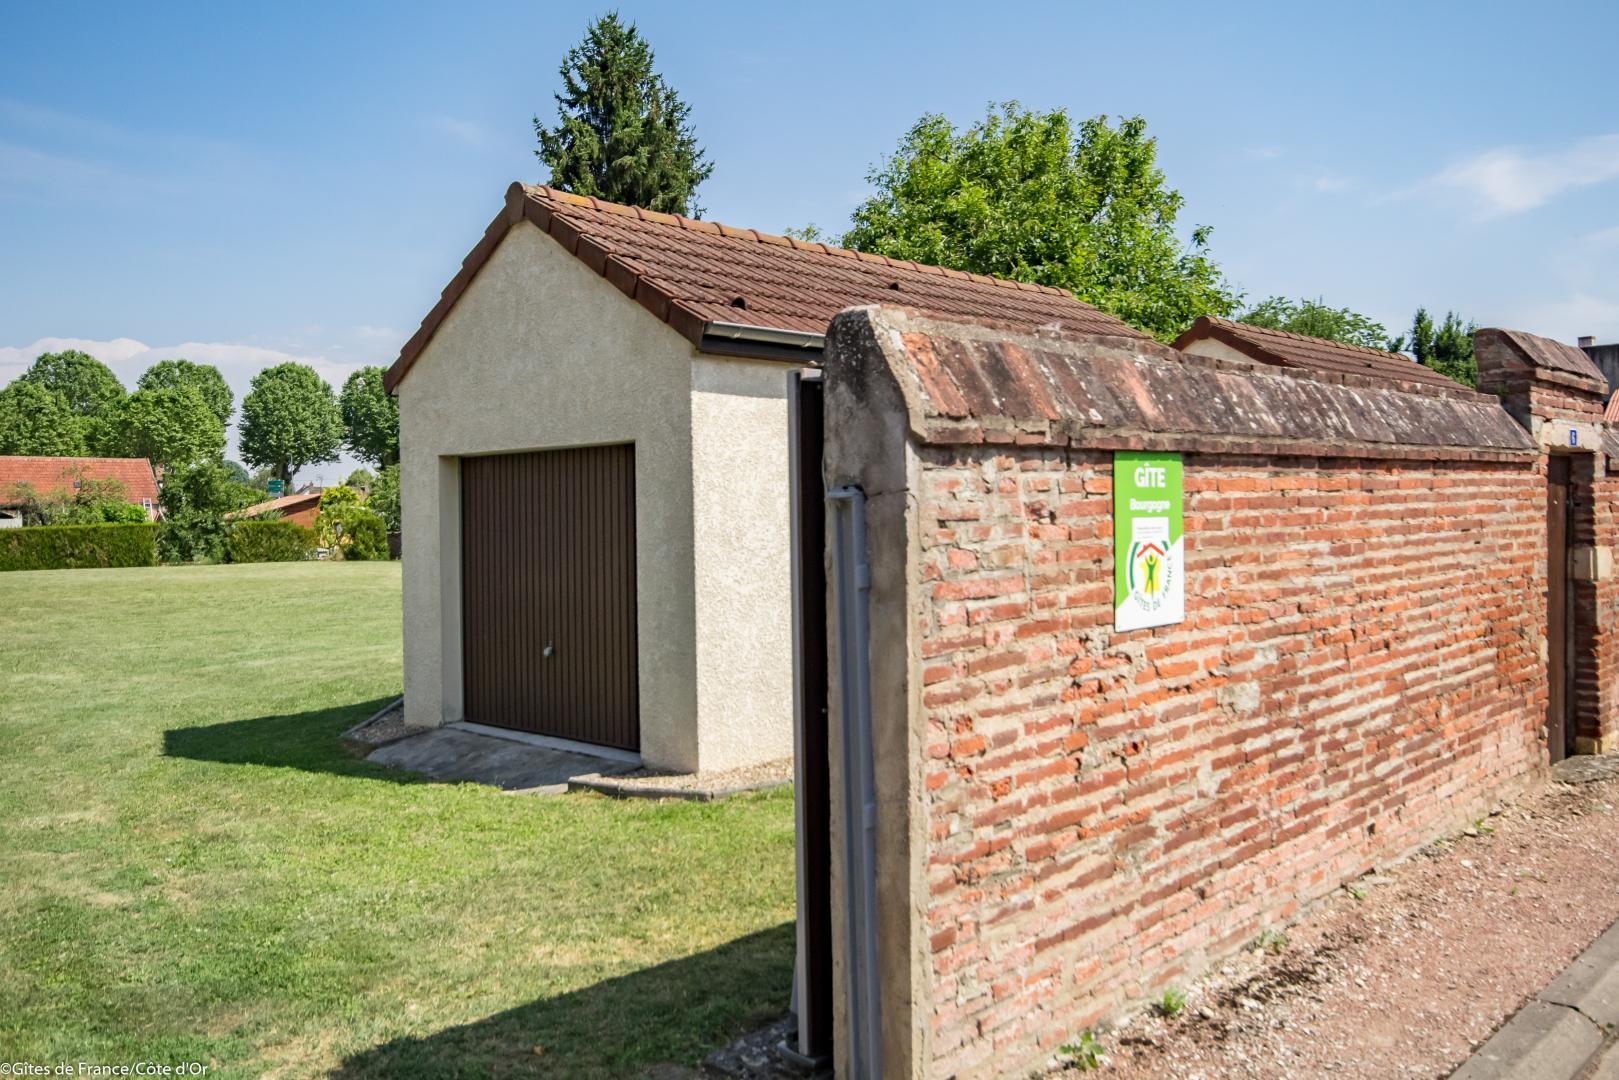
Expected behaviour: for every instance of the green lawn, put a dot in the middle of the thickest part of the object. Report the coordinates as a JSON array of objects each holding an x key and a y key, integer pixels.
[{"x": 193, "y": 867}]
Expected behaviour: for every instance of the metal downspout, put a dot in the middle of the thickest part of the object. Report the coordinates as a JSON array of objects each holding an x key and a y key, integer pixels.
[{"x": 851, "y": 575}]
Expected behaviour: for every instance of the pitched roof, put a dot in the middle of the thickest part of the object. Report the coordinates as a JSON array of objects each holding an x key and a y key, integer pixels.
[
  {"x": 1545, "y": 353},
  {"x": 1287, "y": 350},
  {"x": 1612, "y": 415},
  {"x": 694, "y": 274},
  {"x": 286, "y": 504},
  {"x": 53, "y": 473}
]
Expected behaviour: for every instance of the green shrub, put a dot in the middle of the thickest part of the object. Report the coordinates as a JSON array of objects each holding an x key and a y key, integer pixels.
[
  {"x": 196, "y": 499},
  {"x": 75, "y": 547},
  {"x": 269, "y": 541},
  {"x": 365, "y": 536},
  {"x": 332, "y": 524},
  {"x": 122, "y": 513},
  {"x": 384, "y": 497},
  {"x": 87, "y": 502}
]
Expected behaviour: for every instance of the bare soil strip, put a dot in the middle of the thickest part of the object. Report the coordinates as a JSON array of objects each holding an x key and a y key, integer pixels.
[{"x": 1408, "y": 971}]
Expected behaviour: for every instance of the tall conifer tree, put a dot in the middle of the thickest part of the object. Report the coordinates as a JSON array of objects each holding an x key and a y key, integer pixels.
[{"x": 622, "y": 133}]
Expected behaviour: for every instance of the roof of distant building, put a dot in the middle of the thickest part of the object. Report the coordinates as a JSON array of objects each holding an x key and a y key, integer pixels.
[
  {"x": 56, "y": 473},
  {"x": 1282, "y": 349}
]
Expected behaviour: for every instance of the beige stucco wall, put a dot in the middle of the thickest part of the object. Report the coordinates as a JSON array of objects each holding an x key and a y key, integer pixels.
[
  {"x": 541, "y": 352},
  {"x": 743, "y": 568},
  {"x": 1218, "y": 349}
]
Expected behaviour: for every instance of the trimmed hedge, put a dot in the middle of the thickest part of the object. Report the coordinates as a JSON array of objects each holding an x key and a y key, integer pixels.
[
  {"x": 269, "y": 541},
  {"x": 78, "y": 547}
]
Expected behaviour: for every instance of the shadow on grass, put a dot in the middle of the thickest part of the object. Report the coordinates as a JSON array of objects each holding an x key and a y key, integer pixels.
[
  {"x": 674, "y": 1012},
  {"x": 306, "y": 740}
]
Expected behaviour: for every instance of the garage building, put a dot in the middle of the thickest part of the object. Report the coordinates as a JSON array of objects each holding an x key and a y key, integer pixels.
[{"x": 594, "y": 471}]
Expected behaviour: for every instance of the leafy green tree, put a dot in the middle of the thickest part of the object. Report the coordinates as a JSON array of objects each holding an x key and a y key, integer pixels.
[
  {"x": 195, "y": 500},
  {"x": 237, "y": 472},
  {"x": 1313, "y": 318},
  {"x": 622, "y": 133},
  {"x": 370, "y": 417},
  {"x": 170, "y": 426},
  {"x": 36, "y": 420},
  {"x": 1035, "y": 197},
  {"x": 362, "y": 480},
  {"x": 87, "y": 385},
  {"x": 205, "y": 379},
  {"x": 384, "y": 497},
  {"x": 290, "y": 419},
  {"x": 1446, "y": 347}
]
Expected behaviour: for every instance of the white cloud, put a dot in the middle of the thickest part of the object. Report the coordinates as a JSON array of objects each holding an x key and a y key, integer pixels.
[
  {"x": 1511, "y": 180},
  {"x": 1264, "y": 153},
  {"x": 128, "y": 358},
  {"x": 1331, "y": 182},
  {"x": 14, "y": 359}
]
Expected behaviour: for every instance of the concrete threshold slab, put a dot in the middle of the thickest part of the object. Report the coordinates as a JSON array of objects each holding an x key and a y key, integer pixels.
[
  {"x": 455, "y": 754},
  {"x": 1565, "y": 1031},
  {"x": 528, "y": 738}
]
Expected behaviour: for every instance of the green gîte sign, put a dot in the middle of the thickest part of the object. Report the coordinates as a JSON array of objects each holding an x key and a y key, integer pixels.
[
  {"x": 273, "y": 488},
  {"x": 1149, "y": 569}
]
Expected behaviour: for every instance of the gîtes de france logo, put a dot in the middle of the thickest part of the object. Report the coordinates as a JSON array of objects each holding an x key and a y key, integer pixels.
[
  {"x": 1150, "y": 570},
  {"x": 1149, "y": 565}
]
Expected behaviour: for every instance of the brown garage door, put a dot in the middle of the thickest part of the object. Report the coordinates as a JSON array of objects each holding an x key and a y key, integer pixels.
[{"x": 548, "y": 593}]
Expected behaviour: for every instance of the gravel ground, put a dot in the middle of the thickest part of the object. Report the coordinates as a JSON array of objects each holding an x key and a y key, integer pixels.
[
  {"x": 388, "y": 726},
  {"x": 1405, "y": 974},
  {"x": 770, "y": 774}
]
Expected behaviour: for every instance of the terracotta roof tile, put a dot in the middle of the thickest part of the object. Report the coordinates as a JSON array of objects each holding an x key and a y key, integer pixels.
[
  {"x": 1612, "y": 415},
  {"x": 1548, "y": 354},
  {"x": 690, "y": 273},
  {"x": 53, "y": 473},
  {"x": 1287, "y": 350},
  {"x": 968, "y": 382}
]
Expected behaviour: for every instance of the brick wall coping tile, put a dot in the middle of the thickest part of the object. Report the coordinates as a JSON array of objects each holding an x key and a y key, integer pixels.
[{"x": 980, "y": 383}]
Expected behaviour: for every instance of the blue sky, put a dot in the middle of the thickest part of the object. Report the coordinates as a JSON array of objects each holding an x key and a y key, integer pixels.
[{"x": 244, "y": 183}]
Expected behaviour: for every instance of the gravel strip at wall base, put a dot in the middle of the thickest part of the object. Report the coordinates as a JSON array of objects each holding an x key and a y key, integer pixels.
[{"x": 385, "y": 726}]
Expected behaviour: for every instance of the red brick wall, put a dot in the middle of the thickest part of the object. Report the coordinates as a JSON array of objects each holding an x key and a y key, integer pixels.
[
  {"x": 1596, "y": 608},
  {"x": 1359, "y": 670}
]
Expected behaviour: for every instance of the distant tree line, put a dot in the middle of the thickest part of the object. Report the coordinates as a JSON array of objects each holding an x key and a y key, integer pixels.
[
  {"x": 1036, "y": 196},
  {"x": 69, "y": 404}
]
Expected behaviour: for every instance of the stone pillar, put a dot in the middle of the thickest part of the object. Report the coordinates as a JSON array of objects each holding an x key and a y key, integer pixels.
[{"x": 1557, "y": 393}]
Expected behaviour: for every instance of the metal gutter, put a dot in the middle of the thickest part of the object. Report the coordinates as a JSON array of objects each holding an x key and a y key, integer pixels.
[{"x": 761, "y": 342}]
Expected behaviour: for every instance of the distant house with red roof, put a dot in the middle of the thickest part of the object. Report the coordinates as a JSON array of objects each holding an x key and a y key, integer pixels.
[
  {"x": 300, "y": 508},
  {"x": 47, "y": 474}
]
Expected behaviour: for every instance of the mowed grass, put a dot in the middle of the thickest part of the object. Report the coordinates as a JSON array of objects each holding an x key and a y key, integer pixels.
[{"x": 193, "y": 868}]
